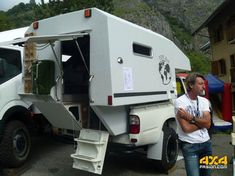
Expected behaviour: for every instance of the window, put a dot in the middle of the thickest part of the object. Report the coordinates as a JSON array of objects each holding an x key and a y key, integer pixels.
[
  {"x": 215, "y": 68},
  {"x": 233, "y": 99},
  {"x": 231, "y": 28},
  {"x": 179, "y": 87},
  {"x": 232, "y": 69},
  {"x": 222, "y": 66},
  {"x": 219, "y": 67},
  {"x": 232, "y": 60},
  {"x": 232, "y": 74},
  {"x": 142, "y": 50},
  {"x": 10, "y": 64},
  {"x": 231, "y": 20},
  {"x": 218, "y": 34}
]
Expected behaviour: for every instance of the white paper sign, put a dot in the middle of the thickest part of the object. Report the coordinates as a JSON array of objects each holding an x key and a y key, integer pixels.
[{"x": 128, "y": 79}]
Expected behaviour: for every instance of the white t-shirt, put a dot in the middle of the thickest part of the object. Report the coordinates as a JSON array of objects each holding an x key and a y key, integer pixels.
[{"x": 192, "y": 106}]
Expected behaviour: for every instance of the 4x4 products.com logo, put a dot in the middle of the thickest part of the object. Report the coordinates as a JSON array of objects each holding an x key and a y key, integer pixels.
[{"x": 214, "y": 162}]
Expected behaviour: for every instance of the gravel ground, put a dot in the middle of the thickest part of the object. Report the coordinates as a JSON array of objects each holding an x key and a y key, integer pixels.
[{"x": 50, "y": 157}]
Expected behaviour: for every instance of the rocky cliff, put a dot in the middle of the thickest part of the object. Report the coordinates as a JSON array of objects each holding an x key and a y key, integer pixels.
[{"x": 175, "y": 19}]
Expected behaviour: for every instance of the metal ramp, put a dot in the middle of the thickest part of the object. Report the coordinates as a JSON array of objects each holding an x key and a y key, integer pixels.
[
  {"x": 91, "y": 149},
  {"x": 56, "y": 113}
]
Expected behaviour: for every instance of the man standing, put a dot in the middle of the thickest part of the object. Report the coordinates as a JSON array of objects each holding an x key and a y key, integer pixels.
[{"x": 193, "y": 118}]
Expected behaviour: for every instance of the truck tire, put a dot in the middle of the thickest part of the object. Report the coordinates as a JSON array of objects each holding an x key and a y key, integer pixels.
[
  {"x": 169, "y": 149},
  {"x": 15, "y": 144}
]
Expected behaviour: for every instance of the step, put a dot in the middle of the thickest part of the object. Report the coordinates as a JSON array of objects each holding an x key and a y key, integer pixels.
[
  {"x": 91, "y": 149},
  {"x": 85, "y": 158},
  {"x": 87, "y": 141}
]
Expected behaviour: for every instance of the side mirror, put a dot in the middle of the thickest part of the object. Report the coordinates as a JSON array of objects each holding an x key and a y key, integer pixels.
[{"x": 2, "y": 72}]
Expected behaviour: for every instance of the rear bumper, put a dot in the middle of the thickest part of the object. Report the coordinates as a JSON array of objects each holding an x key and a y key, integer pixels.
[{"x": 117, "y": 147}]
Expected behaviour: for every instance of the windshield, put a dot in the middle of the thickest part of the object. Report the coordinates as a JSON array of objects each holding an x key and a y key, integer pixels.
[{"x": 10, "y": 64}]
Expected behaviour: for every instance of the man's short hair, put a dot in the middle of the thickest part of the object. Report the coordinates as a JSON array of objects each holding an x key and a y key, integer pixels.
[{"x": 191, "y": 79}]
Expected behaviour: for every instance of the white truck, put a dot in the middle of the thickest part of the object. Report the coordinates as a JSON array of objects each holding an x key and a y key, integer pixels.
[
  {"x": 110, "y": 79},
  {"x": 14, "y": 112}
]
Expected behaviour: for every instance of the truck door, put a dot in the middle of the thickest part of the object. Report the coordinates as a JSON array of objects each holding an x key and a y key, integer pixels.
[
  {"x": 10, "y": 68},
  {"x": 75, "y": 63}
]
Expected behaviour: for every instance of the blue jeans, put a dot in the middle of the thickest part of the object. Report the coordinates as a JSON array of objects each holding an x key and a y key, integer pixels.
[{"x": 192, "y": 154}]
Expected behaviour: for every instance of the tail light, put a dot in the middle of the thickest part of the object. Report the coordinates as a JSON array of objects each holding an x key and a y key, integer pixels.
[{"x": 134, "y": 124}]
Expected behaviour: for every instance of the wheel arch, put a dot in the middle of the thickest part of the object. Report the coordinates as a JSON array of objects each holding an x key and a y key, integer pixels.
[
  {"x": 171, "y": 123},
  {"x": 16, "y": 113},
  {"x": 12, "y": 107},
  {"x": 15, "y": 110},
  {"x": 159, "y": 151}
]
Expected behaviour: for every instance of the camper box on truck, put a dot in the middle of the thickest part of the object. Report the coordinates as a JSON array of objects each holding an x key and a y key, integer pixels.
[{"x": 109, "y": 78}]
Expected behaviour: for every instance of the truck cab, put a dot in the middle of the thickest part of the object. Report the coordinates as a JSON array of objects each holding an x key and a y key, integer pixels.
[
  {"x": 15, "y": 113},
  {"x": 14, "y": 135}
]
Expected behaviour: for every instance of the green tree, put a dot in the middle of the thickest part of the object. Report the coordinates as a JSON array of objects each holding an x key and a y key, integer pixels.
[
  {"x": 5, "y": 23},
  {"x": 21, "y": 15},
  {"x": 199, "y": 62},
  {"x": 55, "y": 7}
]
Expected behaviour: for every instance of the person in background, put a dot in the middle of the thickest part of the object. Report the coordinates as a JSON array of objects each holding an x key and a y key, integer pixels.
[{"x": 193, "y": 119}]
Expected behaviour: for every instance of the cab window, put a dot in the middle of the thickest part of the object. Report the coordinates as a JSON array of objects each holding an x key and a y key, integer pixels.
[
  {"x": 179, "y": 87},
  {"x": 10, "y": 64}
]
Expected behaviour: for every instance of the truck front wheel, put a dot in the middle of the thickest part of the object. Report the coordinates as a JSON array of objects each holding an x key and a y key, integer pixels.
[
  {"x": 15, "y": 144},
  {"x": 169, "y": 148}
]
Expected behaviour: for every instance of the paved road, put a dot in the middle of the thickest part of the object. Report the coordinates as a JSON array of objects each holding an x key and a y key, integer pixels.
[{"x": 52, "y": 158}]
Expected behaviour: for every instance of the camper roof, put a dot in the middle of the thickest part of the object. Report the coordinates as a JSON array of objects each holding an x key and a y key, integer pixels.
[
  {"x": 12, "y": 34},
  {"x": 43, "y": 39}
]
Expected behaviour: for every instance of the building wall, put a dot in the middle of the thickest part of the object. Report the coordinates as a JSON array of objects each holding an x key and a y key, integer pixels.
[{"x": 222, "y": 33}]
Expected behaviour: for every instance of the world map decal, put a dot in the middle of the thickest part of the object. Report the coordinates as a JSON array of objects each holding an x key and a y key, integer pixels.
[{"x": 165, "y": 70}]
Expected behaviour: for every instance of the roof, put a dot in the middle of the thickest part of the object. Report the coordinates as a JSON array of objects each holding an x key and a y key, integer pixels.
[
  {"x": 12, "y": 34},
  {"x": 212, "y": 16}
]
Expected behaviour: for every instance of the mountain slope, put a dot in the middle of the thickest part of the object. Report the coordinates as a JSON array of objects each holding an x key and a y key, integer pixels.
[
  {"x": 138, "y": 12},
  {"x": 191, "y": 13}
]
